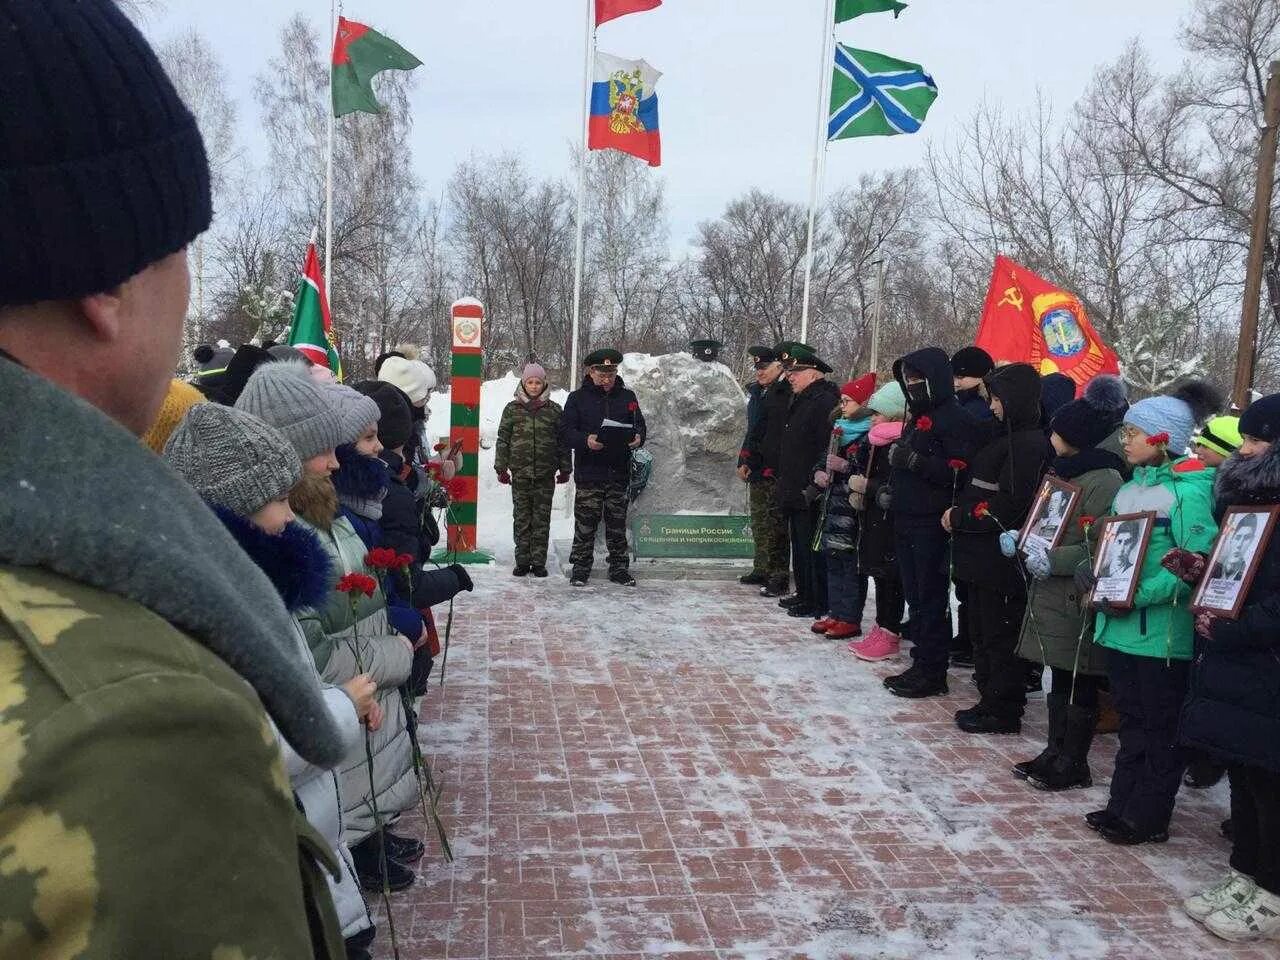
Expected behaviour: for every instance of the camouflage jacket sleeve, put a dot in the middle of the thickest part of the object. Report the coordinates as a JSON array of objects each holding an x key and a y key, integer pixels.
[
  {"x": 502, "y": 449},
  {"x": 146, "y": 810}
]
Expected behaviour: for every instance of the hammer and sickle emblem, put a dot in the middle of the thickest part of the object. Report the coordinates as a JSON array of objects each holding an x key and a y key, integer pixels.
[{"x": 1013, "y": 297}]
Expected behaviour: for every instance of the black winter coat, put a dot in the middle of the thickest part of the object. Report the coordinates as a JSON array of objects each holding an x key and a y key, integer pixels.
[
  {"x": 401, "y": 529},
  {"x": 877, "y": 554},
  {"x": 764, "y": 439},
  {"x": 748, "y": 456},
  {"x": 1005, "y": 474},
  {"x": 1233, "y": 708},
  {"x": 805, "y": 437},
  {"x": 927, "y": 489},
  {"x": 584, "y": 411},
  {"x": 971, "y": 402}
]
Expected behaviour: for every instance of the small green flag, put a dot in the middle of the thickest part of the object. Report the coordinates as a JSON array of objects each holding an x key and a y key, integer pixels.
[
  {"x": 873, "y": 95},
  {"x": 360, "y": 54},
  {"x": 848, "y": 9}
]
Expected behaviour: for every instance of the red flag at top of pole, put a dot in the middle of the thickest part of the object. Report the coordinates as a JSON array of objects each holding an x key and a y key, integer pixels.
[
  {"x": 607, "y": 10},
  {"x": 1026, "y": 319}
]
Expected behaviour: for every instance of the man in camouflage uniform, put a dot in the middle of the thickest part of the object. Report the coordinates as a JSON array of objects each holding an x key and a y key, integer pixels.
[
  {"x": 144, "y": 805},
  {"x": 602, "y": 464},
  {"x": 770, "y": 569},
  {"x": 530, "y": 457}
]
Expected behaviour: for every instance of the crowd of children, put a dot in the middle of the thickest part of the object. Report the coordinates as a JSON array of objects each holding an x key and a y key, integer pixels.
[{"x": 927, "y": 484}]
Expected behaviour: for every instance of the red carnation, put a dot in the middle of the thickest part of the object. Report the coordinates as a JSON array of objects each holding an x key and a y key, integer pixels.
[
  {"x": 1086, "y": 522},
  {"x": 835, "y": 432},
  {"x": 924, "y": 424},
  {"x": 357, "y": 583},
  {"x": 457, "y": 488},
  {"x": 633, "y": 406},
  {"x": 1158, "y": 439},
  {"x": 981, "y": 509},
  {"x": 441, "y": 446},
  {"x": 404, "y": 559},
  {"x": 957, "y": 465},
  {"x": 767, "y": 473},
  {"x": 380, "y": 558}
]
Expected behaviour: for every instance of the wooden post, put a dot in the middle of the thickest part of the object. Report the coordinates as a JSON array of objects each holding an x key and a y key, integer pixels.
[
  {"x": 464, "y": 421},
  {"x": 1258, "y": 240}
]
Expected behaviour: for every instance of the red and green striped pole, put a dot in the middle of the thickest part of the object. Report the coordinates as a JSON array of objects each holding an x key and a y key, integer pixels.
[{"x": 467, "y": 315}]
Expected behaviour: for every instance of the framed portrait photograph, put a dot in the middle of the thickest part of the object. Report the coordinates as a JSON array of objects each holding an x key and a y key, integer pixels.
[
  {"x": 1242, "y": 540},
  {"x": 1052, "y": 510},
  {"x": 1122, "y": 546}
]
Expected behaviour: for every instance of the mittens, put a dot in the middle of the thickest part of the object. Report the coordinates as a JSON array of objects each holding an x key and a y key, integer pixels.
[
  {"x": 562, "y": 476},
  {"x": 504, "y": 476},
  {"x": 1185, "y": 565},
  {"x": 1009, "y": 542},
  {"x": 822, "y": 480},
  {"x": 837, "y": 464},
  {"x": 903, "y": 457},
  {"x": 1036, "y": 560},
  {"x": 1084, "y": 579}
]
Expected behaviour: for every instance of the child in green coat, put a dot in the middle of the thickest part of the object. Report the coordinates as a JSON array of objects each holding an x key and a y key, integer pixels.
[
  {"x": 1149, "y": 645},
  {"x": 530, "y": 457}
]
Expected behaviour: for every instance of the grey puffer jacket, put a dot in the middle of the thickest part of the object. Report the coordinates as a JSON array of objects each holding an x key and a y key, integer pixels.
[{"x": 345, "y": 644}]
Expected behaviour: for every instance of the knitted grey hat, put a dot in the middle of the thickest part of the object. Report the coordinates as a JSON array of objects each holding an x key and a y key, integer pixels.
[
  {"x": 357, "y": 411},
  {"x": 232, "y": 458},
  {"x": 285, "y": 396}
]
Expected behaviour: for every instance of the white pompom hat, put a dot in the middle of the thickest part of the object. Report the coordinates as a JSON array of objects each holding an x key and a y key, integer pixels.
[{"x": 414, "y": 377}]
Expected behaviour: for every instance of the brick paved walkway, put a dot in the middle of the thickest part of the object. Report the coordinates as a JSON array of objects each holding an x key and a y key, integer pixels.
[{"x": 682, "y": 771}]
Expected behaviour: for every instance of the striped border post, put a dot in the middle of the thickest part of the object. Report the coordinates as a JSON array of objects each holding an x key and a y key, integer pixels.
[{"x": 467, "y": 315}]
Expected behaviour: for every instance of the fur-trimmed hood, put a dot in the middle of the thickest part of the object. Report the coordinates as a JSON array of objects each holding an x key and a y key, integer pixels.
[
  {"x": 294, "y": 559},
  {"x": 315, "y": 500},
  {"x": 107, "y": 512},
  {"x": 1249, "y": 479}
]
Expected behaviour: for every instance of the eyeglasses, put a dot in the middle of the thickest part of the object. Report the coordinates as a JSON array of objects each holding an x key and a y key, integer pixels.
[{"x": 1129, "y": 433}]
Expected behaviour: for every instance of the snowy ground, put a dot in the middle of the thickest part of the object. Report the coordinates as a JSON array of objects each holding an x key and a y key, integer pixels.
[{"x": 682, "y": 771}]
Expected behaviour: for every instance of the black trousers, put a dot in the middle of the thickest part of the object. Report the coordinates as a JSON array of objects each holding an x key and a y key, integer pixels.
[
  {"x": 1255, "y": 824},
  {"x": 995, "y": 621},
  {"x": 809, "y": 566},
  {"x": 1147, "y": 692},
  {"x": 1086, "y": 690},
  {"x": 889, "y": 603},
  {"x": 924, "y": 559}
]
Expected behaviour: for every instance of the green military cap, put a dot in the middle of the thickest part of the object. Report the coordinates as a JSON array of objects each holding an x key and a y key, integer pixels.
[
  {"x": 804, "y": 357},
  {"x": 783, "y": 352},
  {"x": 706, "y": 350},
  {"x": 762, "y": 354},
  {"x": 604, "y": 358}
]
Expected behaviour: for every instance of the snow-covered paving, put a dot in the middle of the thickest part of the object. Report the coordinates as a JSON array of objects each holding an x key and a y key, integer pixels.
[{"x": 681, "y": 770}]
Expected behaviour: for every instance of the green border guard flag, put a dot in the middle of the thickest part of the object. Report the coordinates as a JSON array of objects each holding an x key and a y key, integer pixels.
[
  {"x": 359, "y": 55},
  {"x": 848, "y": 9},
  {"x": 877, "y": 96}
]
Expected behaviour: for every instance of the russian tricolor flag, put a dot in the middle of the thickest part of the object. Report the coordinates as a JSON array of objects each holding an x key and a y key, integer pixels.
[{"x": 624, "y": 108}]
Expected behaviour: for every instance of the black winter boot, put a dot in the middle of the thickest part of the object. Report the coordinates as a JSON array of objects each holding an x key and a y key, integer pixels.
[
  {"x": 1070, "y": 768},
  {"x": 753, "y": 579},
  {"x": 1056, "y": 704},
  {"x": 777, "y": 587},
  {"x": 795, "y": 600},
  {"x": 368, "y": 859},
  {"x": 520, "y": 570}
]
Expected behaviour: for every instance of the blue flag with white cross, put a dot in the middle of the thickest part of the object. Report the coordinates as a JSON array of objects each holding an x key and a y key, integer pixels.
[{"x": 877, "y": 96}]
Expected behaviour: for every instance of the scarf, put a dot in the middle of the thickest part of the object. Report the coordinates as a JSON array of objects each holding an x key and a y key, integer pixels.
[
  {"x": 1078, "y": 464},
  {"x": 851, "y": 431},
  {"x": 533, "y": 403},
  {"x": 293, "y": 560},
  {"x": 361, "y": 482}
]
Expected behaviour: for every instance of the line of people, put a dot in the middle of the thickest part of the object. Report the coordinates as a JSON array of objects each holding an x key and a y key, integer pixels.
[{"x": 921, "y": 486}]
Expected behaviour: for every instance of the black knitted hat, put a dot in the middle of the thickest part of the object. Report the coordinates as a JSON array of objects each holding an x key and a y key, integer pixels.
[
  {"x": 102, "y": 167},
  {"x": 1261, "y": 419},
  {"x": 971, "y": 362},
  {"x": 395, "y": 424},
  {"x": 1082, "y": 424}
]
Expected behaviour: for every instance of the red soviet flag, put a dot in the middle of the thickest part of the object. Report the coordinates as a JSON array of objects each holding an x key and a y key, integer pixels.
[
  {"x": 607, "y": 10},
  {"x": 1026, "y": 319}
]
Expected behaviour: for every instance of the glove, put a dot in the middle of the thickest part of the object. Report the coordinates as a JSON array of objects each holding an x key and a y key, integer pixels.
[
  {"x": 1204, "y": 624},
  {"x": 504, "y": 476},
  {"x": 1084, "y": 580},
  {"x": 884, "y": 497},
  {"x": 1185, "y": 565},
  {"x": 464, "y": 578},
  {"x": 903, "y": 457},
  {"x": 1036, "y": 559},
  {"x": 563, "y": 476},
  {"x": 1009, "y": 542},
  {"x": 837, "y": 464},
  {"x": 822, "y": 480}
]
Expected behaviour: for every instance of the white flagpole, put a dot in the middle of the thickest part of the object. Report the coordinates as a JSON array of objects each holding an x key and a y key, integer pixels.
[
  {"x": 875, "y": 323},
  {"x": 819, "y": 154},
  {"x": 328, "y": 173},
  {"x": 589, "y": 46}
]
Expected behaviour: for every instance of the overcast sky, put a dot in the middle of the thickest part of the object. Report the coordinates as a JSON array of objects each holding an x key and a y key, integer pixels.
[{"x": 738, "y": 94}]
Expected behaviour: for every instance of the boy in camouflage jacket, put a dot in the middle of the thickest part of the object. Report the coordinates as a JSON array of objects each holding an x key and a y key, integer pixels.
[{"x": 531, "y": 458}]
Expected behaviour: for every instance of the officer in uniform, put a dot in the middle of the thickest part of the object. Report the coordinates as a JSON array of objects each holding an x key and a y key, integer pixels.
[
  {"x": 601, "y": 424},
  {"x": 767, "y": 400}
]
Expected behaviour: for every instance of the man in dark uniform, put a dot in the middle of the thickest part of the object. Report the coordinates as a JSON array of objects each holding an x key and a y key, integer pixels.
[
  {"x": 768, "y": 527},
  {"x": 602, "y": 424},
  {"x": 805, "y": 436}
]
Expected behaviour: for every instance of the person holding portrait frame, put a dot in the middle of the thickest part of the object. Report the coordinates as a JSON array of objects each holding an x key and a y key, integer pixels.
[
  {"x": 1058, "y": 632},
  {"x": 1232, "y": 712},
  {"x": 1148, "y": 634}
]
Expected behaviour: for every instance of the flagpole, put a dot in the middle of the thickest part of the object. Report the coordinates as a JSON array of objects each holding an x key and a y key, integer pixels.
[
  {"x": 819, "y": 157},
  {"x": 328, "y": 172},
  {"x": 580, "y": 243}
]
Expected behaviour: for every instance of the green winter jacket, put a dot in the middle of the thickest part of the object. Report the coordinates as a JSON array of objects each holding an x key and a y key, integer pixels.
[
  {"x": 1051, "y": 631},
  {"x": 528, "y": 441},
  {"x": 1160, "y": 625}
]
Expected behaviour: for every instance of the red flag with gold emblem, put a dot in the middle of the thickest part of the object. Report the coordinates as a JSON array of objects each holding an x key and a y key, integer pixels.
[{"x": 1026, "y": 319}]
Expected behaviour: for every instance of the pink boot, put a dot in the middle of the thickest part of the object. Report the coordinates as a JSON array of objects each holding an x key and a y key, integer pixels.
[{"x": 879, "y": 645}]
